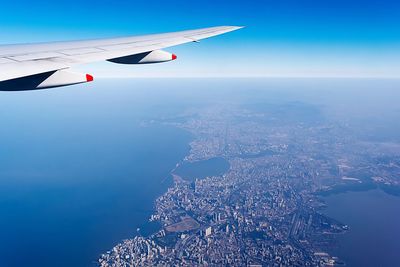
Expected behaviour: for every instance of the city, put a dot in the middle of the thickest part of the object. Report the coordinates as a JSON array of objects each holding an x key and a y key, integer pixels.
[{"x": 266, "y": 210}]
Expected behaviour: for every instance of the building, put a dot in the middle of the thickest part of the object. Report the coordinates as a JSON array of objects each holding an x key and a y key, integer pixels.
[{"x": 208, "y": 231}]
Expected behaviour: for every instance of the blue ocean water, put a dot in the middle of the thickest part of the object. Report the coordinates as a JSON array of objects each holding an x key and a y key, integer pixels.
[
  {"x": 79, "y": 172},
  {"x": 374, "y": 218}
]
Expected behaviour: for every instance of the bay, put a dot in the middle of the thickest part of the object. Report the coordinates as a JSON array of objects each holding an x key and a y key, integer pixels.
[
  {"x": 203, "y": 168},
  {"x": 373, "y": 218}
]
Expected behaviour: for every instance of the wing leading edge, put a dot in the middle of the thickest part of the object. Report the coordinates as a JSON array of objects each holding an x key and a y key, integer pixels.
[{"x": 29, "y": 60}]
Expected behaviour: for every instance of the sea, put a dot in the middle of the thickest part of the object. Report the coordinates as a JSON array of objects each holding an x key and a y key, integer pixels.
[
  {"x": 80, "y": 171},
  {"x": 373, "y": 217}
]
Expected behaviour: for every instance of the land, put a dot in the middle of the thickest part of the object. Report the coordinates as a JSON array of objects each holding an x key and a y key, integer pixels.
[
  {"x": 187, "y": 223},
  {"x": 266, "y": 210}
]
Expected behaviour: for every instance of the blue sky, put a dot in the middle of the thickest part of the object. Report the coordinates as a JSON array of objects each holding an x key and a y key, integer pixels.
[{"x": 281, "y": 38}]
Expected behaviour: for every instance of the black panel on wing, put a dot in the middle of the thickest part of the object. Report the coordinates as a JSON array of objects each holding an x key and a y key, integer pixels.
[
  {"x": 25, "y": 83},
  {"x": 133, "y": 59},
  {"x": 156, "y": 56}
]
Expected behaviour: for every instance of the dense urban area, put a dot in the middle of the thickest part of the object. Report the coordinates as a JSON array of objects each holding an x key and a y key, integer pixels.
[{"x": 266, "y": 209}]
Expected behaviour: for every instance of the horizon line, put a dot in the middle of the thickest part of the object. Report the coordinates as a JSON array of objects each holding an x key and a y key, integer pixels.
[{"x": 252, "y": 77}]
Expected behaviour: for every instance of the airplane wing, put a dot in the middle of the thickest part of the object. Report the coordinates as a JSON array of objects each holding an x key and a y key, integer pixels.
[{"x": 45, "y": 65}]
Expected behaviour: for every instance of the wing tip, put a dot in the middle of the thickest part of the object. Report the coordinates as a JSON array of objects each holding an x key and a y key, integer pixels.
[{"x": 234, "y": 28}]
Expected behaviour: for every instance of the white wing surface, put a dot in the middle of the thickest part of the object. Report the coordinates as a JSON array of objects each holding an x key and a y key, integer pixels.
[{"x": 45, "y": 65}]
